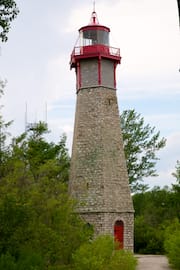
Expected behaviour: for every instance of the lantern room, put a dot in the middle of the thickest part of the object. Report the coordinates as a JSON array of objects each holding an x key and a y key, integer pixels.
[
  {"x": 94, "y": 42},
  {"x": 94, "y": 33}
]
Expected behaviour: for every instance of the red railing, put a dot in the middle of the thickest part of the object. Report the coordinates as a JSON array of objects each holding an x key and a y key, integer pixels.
[{"x": 96, "y": 49}]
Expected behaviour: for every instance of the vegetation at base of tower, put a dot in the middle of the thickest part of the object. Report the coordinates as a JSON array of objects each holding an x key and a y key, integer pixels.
[
  {"x": 8, "y": 12},
  {"x": 38, "y": 225},
  {"x": 100, "y": 255},
  {"x": 141, "y": 143},
  {"x": 172, "y": 233},
  {"x": 156, "y": 214},
  {"x": 172, "y": 244}
]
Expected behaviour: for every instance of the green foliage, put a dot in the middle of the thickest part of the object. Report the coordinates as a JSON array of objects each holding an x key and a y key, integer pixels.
[
  {"x": 40, "y": 217},
  {"x": 3, "y": 134},
  {"x": 39, "y": 228},
  {"x": 154, "y": 211},
  {"x": 141, "y": 143},
  {"x": 172, "y": 243},
  {"x": 7, "y": 262},
  {"x": 100, "y": 255},
  {"x": 122, "y": 260},
  {"x": 29, "y": 260},
  {"x": 94, "y": 255},
  {"x": 176, "y": 190},
  {"x": 40, "y": 156},
  {"x": 155, "y": 205},
  {"x": 8, "y": 12},
  {"x": 148, "y": 239},
  {"x": 176, "y": 174}
]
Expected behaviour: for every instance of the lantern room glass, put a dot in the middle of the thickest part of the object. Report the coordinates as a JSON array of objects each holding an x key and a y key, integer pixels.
[{"x": 94, "y": 37}]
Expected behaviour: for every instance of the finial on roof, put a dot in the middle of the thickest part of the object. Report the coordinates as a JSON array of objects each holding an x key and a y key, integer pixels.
[
  {"x": 94, "y": 19},
  {"x": 94, "y": 6}
]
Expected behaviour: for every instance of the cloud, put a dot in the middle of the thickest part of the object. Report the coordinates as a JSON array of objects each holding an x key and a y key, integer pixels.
[
  {"x": 148, "y": 37},
  {"x": 59, "y": 126},
  {"x": 164, "y": 178},
  {"x": 172, "y": 148},
  {"x": 166, "y": 165},
  {"x": 60, "y": 81},
  {"x": 166, "y": 123},
  {"x": 36, "y": 63}
]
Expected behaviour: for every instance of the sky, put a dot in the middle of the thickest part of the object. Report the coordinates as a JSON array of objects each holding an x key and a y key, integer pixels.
[{"x": 35, "y": 62}]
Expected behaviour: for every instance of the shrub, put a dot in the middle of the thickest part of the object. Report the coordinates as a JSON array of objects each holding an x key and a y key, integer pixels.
[
  {"x": 94, "y": 255},
  {"x": 148, "y": 240},
  {"x": 30, "y": 260},
  {"x": 7, "y": 262},
  {"x": 100, "y": 255},
  {"x": 122, "y": 260},
  {"x": 172, "y": 244}
]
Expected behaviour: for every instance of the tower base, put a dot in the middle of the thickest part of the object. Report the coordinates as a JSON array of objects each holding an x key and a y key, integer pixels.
[
  {"x": 104, "y": 223},
  {"x": 98, "y": 173}
]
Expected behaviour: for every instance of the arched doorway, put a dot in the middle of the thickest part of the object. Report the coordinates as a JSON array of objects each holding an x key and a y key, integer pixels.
[{"x": 119, "y": 233}]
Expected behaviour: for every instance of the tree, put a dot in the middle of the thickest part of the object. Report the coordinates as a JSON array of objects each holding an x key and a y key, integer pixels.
[
  {"x": 176, "y": 174},
  {"x": 141, "y": 143},
  {"x": 8, "y": 12},
  {"x": 39, "y": 218},
  {"x": 172, "y": 243},
  {"x": 176, "y": 188},
  {"x": 155, "y": 210},
  {"x": 39, "y": 228},
  {"x": 99, "y": 254},
  {"x": 40, "y": 156},
  {"x": 3, "y": 133}
]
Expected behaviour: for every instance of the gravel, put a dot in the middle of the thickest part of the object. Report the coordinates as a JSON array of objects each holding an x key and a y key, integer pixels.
[{"x": 152, "y": 262}]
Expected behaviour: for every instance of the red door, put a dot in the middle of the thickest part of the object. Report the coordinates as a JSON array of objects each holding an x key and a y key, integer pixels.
[{"x": 119, "y": 234}]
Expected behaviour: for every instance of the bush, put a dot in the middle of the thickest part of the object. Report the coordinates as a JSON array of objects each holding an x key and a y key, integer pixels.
[
  {"x": 148, "y": 240},
  {"x": 172, "y": 244},
  {"x": 30, "y": 260},
  {"x": 7, "y": 262},
  {"x": 100, "y": 255},
  {"x": 122, "y": 260},
  {"x": 94, "y": 255}
]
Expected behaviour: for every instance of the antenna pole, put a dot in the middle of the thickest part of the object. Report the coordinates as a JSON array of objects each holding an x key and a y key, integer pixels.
[
  {"x": 94, "y": 6},
  {"x": 26, "y": 118},
  {"x": 46, "y": 112}
]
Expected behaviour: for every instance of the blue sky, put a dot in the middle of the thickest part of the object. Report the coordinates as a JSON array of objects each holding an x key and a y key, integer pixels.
[{"x": 35, "y": 61}]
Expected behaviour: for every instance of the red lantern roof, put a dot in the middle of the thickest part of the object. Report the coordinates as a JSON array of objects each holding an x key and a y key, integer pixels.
[
  {"x": 94, "y": 42},
  {"x": 94, "y": 24}
]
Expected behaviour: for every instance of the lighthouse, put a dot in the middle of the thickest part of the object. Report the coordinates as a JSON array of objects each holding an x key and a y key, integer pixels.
[{"x": 98, "y": 173}]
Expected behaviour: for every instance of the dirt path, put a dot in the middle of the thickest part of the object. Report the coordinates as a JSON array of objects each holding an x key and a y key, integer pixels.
[{"x": 152, "y": 262}]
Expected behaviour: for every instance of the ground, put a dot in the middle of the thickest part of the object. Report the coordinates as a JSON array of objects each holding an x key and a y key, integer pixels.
[{"x": 152, "y": 262}]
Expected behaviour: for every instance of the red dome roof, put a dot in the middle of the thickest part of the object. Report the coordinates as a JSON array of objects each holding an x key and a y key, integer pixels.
[{"x": 94, "y": 24}]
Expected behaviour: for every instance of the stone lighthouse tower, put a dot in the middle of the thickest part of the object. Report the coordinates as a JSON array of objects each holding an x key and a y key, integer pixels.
[{"x": 98, "y": 174}]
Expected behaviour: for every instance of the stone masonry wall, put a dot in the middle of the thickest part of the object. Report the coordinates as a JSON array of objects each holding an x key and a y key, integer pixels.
[
  {"x": 107, "y": 71},
  {"x": 89, "y": 73},
  {"x": 104, "y": 224},
  {"x": 98, "y": 175}
]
